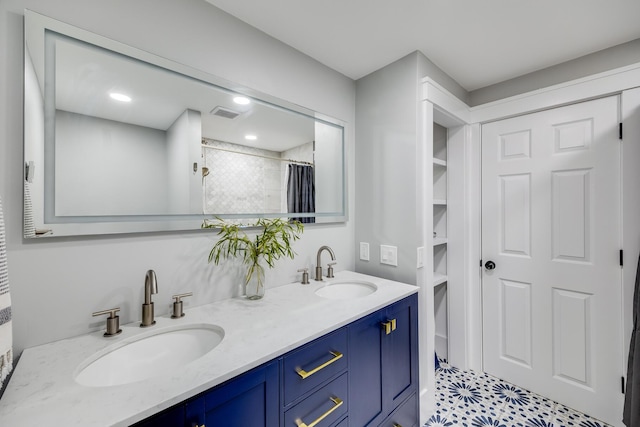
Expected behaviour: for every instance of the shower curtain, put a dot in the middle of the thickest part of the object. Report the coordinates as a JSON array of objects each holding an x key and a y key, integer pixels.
[
  {"x": 301, "y": 192},
  {"x": 631, "y": 414}
]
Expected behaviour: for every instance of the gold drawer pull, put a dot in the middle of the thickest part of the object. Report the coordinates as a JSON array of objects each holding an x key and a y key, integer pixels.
[
  {"x": 304, "y": 374},
  {"x": 389, "y": 326},
  {"x": 396, "y": 425},
  {"x": 337, "y": 402}
]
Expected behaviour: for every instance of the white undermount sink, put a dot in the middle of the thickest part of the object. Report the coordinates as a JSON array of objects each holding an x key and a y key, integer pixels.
[
  {"x": 149, "y": 355},
  {"x": 346, "y": 289}
]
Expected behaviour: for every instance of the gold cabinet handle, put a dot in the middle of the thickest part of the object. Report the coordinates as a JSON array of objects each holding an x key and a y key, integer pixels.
[
  {"x": 337, "y": 402},
  {"x": 389, "y": 326},
  {"x": 304, "y": 374},
  {"x": 396, "y": 425}
]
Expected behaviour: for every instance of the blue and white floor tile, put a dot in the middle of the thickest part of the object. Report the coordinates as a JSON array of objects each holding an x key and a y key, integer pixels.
[{"x": 475, "y": 399}]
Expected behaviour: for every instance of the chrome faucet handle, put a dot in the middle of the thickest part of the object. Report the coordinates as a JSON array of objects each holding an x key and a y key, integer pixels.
[
  {"x": 113, "y": 321},
  {"x": 177, "y": 305},
  {"x": 330, "y": 270},
  {"x": 305, "y": 276}
]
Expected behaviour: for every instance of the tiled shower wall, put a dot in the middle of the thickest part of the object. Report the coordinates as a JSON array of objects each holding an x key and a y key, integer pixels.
[{"x": 240, "y": 183}]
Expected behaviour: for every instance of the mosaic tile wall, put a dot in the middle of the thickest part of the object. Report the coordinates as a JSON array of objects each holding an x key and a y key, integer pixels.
[{"x": 239, "y": 183}]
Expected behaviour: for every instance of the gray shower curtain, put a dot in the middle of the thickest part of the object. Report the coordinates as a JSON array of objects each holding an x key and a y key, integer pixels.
[
  {"x": 631, "y": 414},
  {"x": 301, "y": 191}
]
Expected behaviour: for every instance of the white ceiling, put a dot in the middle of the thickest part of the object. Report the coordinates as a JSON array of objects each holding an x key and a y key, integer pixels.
[
  {"x": 85, "y": 75},
  {"x": 476, "y": 42}
]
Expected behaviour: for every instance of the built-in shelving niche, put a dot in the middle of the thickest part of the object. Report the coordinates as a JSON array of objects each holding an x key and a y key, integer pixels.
[{"x": 440, "y": 241}]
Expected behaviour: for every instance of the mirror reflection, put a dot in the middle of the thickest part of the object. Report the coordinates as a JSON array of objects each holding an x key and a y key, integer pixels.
[{"x": 114, "y": 142}]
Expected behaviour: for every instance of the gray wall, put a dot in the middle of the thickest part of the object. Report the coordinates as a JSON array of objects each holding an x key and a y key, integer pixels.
[
  {"x": 429, "y": 69},
  {"x": 603, "y": 60},
  {"x": 88, "y": 152},
  {"x": 57, "y": 284},
  {"x": 388, "y": 202}
]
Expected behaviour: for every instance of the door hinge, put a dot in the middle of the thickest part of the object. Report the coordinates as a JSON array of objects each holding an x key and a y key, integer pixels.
[
  {"x": 620, "y": 131},
  {"x": 621, "y": 257},
  {"x": 480, "y": 263},
  {"x": 622, "y": 383}
]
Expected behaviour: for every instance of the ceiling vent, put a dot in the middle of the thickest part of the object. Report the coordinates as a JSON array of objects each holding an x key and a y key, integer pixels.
[{"x": 224, "y": 112}]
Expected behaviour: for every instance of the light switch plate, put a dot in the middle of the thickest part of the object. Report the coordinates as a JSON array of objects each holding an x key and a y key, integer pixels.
[
  {"x": 389, "y": 255},
  {"x": 420, "y": 256},
  {"x": 364, "y": 251}
]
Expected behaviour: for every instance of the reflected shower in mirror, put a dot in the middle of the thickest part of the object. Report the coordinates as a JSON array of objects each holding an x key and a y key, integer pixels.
[{"x": 124, "y": 141}]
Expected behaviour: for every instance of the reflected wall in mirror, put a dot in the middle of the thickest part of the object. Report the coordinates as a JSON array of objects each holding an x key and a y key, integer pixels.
[{"x": 118, "y": 140}]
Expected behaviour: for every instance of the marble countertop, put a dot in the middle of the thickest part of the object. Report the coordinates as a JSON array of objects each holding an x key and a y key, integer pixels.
[{"x": 43, "y": 391}]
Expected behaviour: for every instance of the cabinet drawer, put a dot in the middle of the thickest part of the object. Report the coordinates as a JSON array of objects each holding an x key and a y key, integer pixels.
[
  {"x": 343, "y": 423},
  {"x": 329, "y": 403},
  {"x": 405, "y": 416},
  {"x": 313, "y": 364}
]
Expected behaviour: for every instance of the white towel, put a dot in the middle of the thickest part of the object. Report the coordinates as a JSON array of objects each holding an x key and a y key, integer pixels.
[{"x": 6, "y": 336}]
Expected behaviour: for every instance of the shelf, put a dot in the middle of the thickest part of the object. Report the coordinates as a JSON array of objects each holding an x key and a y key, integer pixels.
[
  {"x": 439, "y": 241},
  {"x": 439, "y": 162},
  {"x": 439, "y": 279},
  {"x": 440, "y": 202}
]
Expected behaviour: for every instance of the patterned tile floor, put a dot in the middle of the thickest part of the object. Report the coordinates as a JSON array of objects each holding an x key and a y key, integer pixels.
[{"x": 466, "y": 398}]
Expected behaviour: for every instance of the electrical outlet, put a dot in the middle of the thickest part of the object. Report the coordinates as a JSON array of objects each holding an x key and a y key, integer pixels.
[
  {"x": 364, "y": 251},
  {"x": 420, "y": 256},
  {"x": 389, "y": 255}
]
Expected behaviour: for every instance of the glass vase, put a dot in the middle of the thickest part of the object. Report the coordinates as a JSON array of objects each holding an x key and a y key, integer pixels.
[{"x": 254, "y": 282}]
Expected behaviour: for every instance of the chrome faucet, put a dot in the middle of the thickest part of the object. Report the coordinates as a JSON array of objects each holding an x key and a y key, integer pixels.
[
  {"x": 319, "y": 261},
  {"x": 150, "y": 287}
]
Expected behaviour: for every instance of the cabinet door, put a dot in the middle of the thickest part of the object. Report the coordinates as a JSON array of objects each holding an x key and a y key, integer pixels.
[
  {"x": 250, "y": 400},
  {"x": 400, "y": 355},
  {"x": 383, "y": 362},
  {"x": 365, "y": 370}
]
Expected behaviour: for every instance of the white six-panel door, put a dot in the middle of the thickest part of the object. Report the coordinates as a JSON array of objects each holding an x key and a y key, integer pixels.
[{"x": 551, "y": 225}]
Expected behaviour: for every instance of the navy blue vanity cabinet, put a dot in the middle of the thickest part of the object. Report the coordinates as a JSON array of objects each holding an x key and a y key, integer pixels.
[
  {"x": 315, "y": 382},
  {"x": 405, "y": 416},
  {"x": 383, "y": 365},
  {"x": 363, "y": 374},
  {"x": 326, "y": 406},
  {"x": 173, "y": 417},
  {"x": 249, "y": 400}
]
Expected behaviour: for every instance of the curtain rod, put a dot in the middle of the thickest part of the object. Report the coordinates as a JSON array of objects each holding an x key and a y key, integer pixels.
[{"x": 300, "y": 162}]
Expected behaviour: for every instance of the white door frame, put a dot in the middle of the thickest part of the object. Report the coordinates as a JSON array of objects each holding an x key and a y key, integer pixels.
[{"x": 466, "y": 334}]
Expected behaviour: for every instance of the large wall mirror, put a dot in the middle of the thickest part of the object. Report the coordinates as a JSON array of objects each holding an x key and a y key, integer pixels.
[{"x": 118, "y": 140}]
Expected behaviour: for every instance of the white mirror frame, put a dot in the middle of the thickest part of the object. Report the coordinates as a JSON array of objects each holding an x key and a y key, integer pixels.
[{"x": 36, "y": 126}]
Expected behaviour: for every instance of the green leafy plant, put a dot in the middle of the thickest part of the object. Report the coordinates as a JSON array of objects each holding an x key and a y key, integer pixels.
[{"x": 270, "y": 244}]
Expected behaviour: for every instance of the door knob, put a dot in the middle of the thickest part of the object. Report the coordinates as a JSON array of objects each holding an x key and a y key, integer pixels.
[{"x": 489, "y": 265}]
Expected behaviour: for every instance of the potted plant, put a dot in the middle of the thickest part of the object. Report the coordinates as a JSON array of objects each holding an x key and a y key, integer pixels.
[{"x": 270, "y": 243}]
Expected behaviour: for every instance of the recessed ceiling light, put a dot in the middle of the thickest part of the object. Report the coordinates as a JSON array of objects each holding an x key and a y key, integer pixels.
[
  {"x": 250, "y": 137},
  {"x": 120, "y": 97},
  {"x": 242, "y": 100}
]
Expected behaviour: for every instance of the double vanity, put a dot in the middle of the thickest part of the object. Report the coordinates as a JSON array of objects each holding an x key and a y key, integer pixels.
[{"x": 342, "y": 352}]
